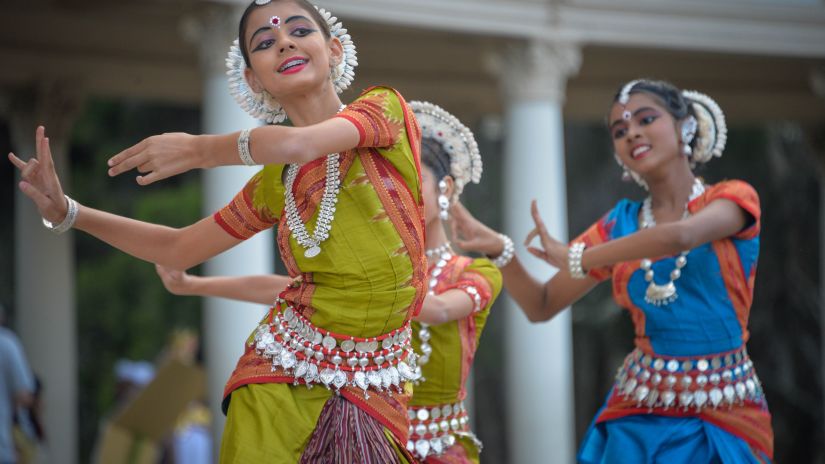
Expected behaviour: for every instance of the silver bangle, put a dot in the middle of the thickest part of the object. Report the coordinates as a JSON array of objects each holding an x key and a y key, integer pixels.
[
  {"x": 507, "y": 252},
  {"x": 243, "y": 148},
  {"x": 574, "y": 260},
  {"x": 68, "y": 221}
]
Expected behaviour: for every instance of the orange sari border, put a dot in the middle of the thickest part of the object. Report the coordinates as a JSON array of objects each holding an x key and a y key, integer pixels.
[
  {"x": 751, "y": 422},
  {"x": 390, "y": 409}
]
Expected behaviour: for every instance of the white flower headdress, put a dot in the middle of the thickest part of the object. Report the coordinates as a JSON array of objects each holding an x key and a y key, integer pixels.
[
  {"x": 261, "y": 105},
  {"x": 712, "y": 133},
  {"x": 456, "y": 139}
]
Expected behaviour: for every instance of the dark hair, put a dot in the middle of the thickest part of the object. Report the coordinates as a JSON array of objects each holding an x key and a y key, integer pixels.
[
  {"x": 668, "y": 95},
  {"x": 435, "y": 157},
  {"x": 309, "y": 7}
]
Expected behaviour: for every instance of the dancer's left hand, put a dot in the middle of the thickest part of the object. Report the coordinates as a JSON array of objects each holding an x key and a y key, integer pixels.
[
  {"x": 176, "y": 282},
  {"x": 158, "y": 157},
  {"x": 551, "y": 250}
]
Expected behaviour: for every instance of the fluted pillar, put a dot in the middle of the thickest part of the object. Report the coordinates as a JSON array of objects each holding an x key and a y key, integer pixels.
[
  {"x": 45, "y": 266},
  {"x": 227, "y": 323},
  {"x": 538, "y": 372}
]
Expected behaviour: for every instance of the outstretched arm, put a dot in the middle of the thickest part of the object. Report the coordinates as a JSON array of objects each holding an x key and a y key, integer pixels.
[
  {"x": 253, "y": 288},
  {"x": 177, "y": 248},
  {"x": 437, "y": 309},
  {"x": 540, "y": 301},
  {"x": 720, "y": 219},
  {"x": 451, "y": 305},
  {"x": 166, "y": 155}
]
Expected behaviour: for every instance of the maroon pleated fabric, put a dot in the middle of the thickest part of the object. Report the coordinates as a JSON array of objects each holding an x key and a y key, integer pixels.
[{"x": 345, "y": 434}]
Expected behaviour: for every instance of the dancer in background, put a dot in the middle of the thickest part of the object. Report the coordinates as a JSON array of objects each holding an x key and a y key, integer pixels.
[
  {"x": 461, "y": 292},
  {"x": 683, "y": 263},
  {"x": 349, "y": 184}
]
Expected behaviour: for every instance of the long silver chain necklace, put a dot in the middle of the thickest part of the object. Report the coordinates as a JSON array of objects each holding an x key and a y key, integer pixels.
[
  {"x": 656, "y": 294},
  {"x": 444, "y": 254},
  {"x": 326, "y": 208}
]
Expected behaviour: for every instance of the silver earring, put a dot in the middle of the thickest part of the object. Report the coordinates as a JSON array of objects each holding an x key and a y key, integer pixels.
[
  {"x": 626, "y": 177},
  {"x": 688, "y": 133},
  {"x": 443, "y": 201}
]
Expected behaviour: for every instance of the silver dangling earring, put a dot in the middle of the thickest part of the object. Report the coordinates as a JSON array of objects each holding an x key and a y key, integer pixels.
[
  {"x": 443, "y": 201},
  {"x": 688, "y": 132},
  {"x": 334, "y": 70},
  {"x": 626, "y": 177}
]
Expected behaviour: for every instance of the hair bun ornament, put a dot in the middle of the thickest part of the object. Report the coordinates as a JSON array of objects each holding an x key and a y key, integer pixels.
[
  {"x": 261, "y": 105},
  {"x": 712, "y": 134},
  {"x": 457, "y": 140},
  {"x": 344, "y": 73}
]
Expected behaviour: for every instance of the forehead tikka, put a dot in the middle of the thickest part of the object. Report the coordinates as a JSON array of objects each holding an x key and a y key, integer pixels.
[{"x": 275, "y": 21}]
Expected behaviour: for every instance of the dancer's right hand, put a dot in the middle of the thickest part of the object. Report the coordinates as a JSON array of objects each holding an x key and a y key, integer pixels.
[
  {"x": 158, "y": 157},
  {"x": 39, "y": 180},
  {"x": 176, "y": 282},
  {"x": 472, "y": 235}
]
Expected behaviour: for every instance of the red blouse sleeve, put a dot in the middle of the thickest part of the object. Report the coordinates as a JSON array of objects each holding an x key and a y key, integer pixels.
[
  {"x": 740, "y": 193},
  {"x": 378, "y": 114},
  {"x": 246, "y": 215}
]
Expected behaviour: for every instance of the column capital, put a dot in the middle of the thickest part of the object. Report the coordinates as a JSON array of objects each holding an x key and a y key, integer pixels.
[
  {"x": 536, "y": 70},
  {"x": 52, "y": 103},
  {"x": 212, "y": 30}
]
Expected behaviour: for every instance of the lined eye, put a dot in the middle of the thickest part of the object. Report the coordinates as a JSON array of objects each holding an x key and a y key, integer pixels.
[
  {"x": 647, "y": 120},
  {"x": 619, "y": 133},
  {"x": 302, "y": 31},
  {"x": 264, "y": 44}
]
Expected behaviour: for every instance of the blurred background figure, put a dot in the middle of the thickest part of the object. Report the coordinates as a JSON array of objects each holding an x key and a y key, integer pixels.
[
  {"x": 191, "y": 440},
  {"x": 17, "y": 387},
  {"x": 131, "y": 377}
]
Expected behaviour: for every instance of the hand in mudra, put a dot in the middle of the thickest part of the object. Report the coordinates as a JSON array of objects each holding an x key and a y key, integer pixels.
[
  {"x": 39, "y": 180},
  {"x": 551, "y": 250},
  {"x": 471, "y": 234},
  {"x": 158, "y": 157}
]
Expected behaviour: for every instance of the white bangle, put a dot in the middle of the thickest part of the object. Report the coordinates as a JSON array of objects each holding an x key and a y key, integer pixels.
[
  {"x": 507, "y": 252},
  {"x": 243, "y": 148},
  {"x": 574, "y": 260},
  {"x": 68, "y": 221}
]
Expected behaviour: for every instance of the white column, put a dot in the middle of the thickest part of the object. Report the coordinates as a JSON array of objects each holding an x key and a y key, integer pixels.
[
  {"x": 44, "y": 269},
  {"x": 227, "y": 323},
  {"x": 538, "y": 369}
]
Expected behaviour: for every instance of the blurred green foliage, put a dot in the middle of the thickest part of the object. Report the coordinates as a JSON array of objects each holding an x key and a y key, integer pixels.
[{"x": 123, "y": 310}]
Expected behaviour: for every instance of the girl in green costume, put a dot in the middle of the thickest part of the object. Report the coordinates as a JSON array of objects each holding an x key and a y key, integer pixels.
[
  {"x": 336, "y": 176},
  {"x": 461, "y": 293}
]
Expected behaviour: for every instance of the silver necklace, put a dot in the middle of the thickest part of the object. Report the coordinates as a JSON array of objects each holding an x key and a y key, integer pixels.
[
  {"x": 326, "y": 208},
  {"x": 444, "y": 254},
  {"x": 656, "y": 294}
]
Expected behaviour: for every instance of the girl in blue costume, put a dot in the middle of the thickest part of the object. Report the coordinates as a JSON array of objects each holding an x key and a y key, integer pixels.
[{"x": 683, "y": 263}]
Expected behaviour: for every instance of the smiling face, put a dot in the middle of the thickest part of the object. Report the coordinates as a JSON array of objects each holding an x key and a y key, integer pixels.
[
  {"x": 647, "y": 140},
  {"x": 290, "y": 55}
]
